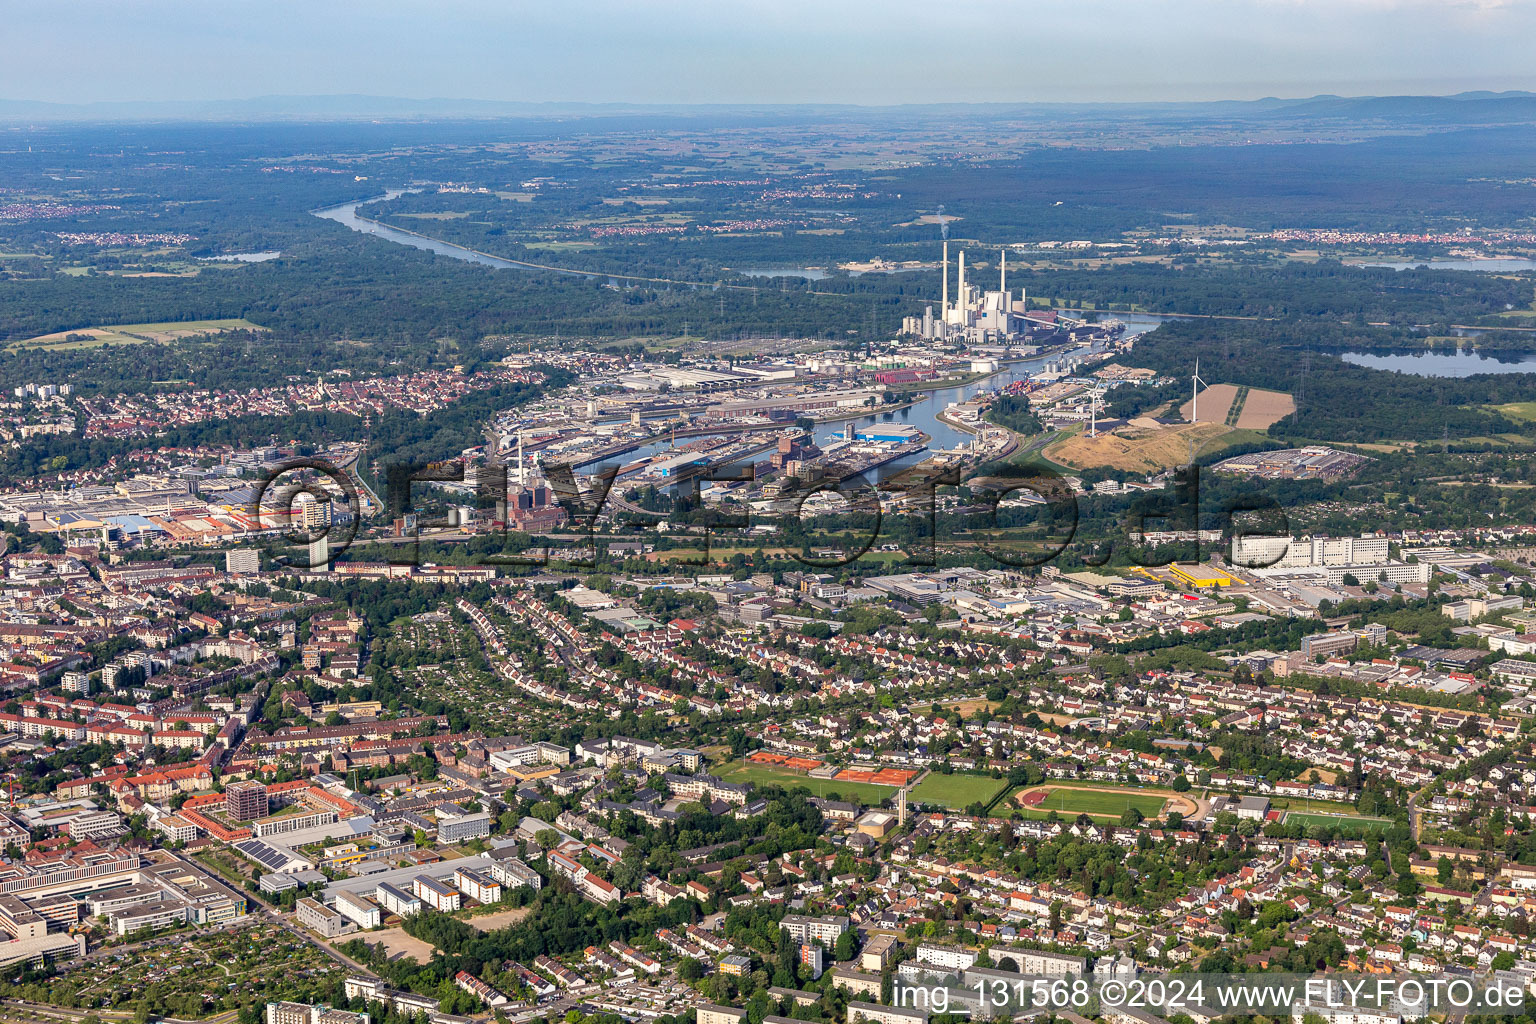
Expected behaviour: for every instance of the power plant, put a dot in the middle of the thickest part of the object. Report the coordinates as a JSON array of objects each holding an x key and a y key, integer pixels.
[{"x": 979, "y": 317}]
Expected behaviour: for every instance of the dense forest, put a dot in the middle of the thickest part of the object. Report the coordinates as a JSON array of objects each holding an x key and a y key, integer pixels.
[
  {"x": 334, "y": 297},
  {"x": 1335, "y": 400}
]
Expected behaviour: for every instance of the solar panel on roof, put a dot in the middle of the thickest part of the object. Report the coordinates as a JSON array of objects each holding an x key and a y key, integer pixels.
[{"x": 267, "y": 856}]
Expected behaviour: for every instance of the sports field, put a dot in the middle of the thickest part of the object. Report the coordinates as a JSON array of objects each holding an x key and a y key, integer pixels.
[
  {"x": 1305, "y": 805},
  {"x": 1354, "y": 824},
  {"x": 957, "y": 791},
  {"x": 863, "y": 792},
  {"x": 1102, "y": 803}
]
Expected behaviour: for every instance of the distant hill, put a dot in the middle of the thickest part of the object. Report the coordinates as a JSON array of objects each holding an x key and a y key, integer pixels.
[
  {"x": 304, "y": 108},
  {"x": 1471, "y": 108},
  {"x": 1466, "y": 108}
]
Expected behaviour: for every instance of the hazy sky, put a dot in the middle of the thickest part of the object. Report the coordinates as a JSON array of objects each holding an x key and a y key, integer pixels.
[{"x": 733, "y": 51}]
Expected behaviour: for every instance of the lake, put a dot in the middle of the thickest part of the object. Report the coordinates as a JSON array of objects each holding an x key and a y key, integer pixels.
[
  {"x": 244, "y": 257},
  {"x": 1480, "y": 266},
  {"x": 808, "y": 273},
  {"x": 1463, "y": 362}
]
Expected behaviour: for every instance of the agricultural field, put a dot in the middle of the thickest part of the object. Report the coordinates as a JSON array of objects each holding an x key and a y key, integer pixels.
[
  {"x": 1215, "y": 402},
  {"x": 1240, "y": 407},
  {"x": 133, "y": 334},
  {"x": 956, "y": 791},
  {"x": 1263, "y": 409},
  {"x": 1524, "y": 412}
]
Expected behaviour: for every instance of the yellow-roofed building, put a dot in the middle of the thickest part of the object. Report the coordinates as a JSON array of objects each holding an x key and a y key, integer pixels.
[{"x": 1202, "y": 576}]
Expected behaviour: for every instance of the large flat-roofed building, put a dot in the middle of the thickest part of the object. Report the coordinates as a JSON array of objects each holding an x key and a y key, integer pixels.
[
  {"x": 154, "y": 915},
  {"x": 814, "y": 929},
  {"x": 512, "y": 872},
  {"x": 477, "y": 885},
  {"x": 360, "y": 910},
  {"x": 1253, "y": 807},
  {"x": 876, "y": 824},
  {"x": 284, "y": 1012},
  {"x": 375, "y": 991},
  {"x": 208, "y": 900},
  {"x": 176, "y": 828},
  {"x": 455, "y": 826},
  {"x": 1515, "y": 670},
  {"x": 19, "y": 919},
  {"x": 319, "y": 918},
  {"x": 396, "y": 900},
  {"x": 282, "y": 824},
  {"x": 1328, "y": 643},
  {"x": 242, "y": 561},
  {"x": 49, "y": 948},
  {"x": 1309, "y": 552},
  {"x": 528, "y": 754},
  {"x": 1391, "y": 572},
  {"x": 873, "y": 1013},
  {"x": 157, "y": 895},
  {"x": 1312, "y": 463},
  {"x": 858, "y": 983},
  {"x": 1039, "y": 961},
  {"x": 1201, "y": 576},
  {"x": 952, "y": 958},
  {"x": 436, "y": 894},
  {"x": 272, "y": 883},
  {"x": 245, "y": 800},
  {"x": 877, "y": 952},
  {"x": 889, "y": 433},
  {"x": 95, "y": 825},
  {"x": 709, "y": 1013},
  {"x": 107, "y": 902}
]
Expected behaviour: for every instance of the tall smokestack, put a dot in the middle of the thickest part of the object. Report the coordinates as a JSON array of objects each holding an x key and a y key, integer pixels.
[
  {"x": 960, "y": 301},
  {"x": 1002, "y": 274},
  {"x": 522, "y": 481},
  {"x": 944, "y": 309}
]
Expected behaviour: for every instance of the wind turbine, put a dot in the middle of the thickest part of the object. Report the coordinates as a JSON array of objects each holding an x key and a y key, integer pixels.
[{"x": 1194, "y": 402}]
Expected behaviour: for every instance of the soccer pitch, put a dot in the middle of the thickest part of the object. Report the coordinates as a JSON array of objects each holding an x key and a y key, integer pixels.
[{"x": 956, "y": 791}]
